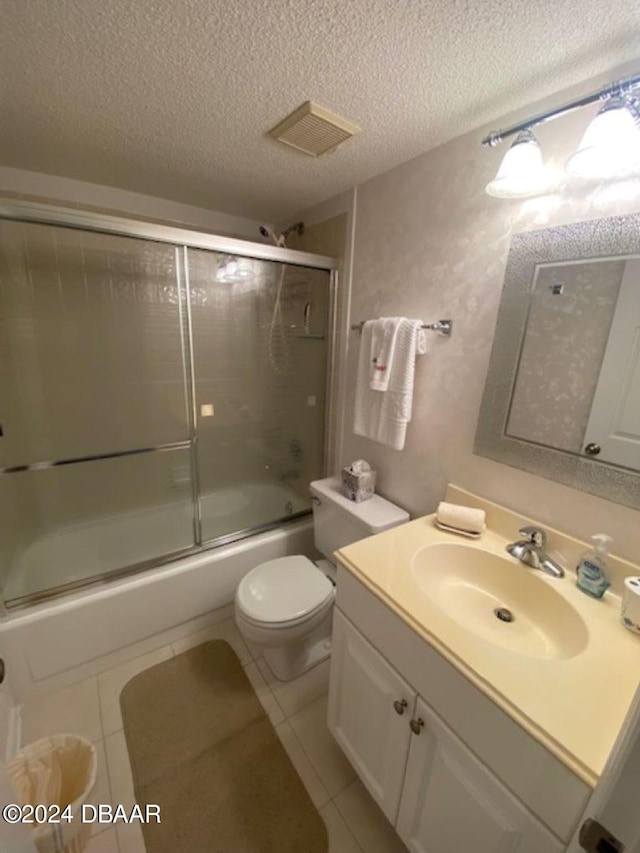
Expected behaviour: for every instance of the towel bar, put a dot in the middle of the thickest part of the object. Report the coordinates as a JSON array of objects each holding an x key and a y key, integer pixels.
[{"x": 444, "y": 327}]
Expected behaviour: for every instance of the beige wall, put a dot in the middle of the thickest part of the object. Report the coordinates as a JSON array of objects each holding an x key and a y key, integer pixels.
[
  {"x": 20, "y": 183},
  {"x": 430, "y": 243}
]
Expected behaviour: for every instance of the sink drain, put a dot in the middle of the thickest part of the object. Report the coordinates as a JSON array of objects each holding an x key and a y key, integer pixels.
[{"x": 504, "y": 614}]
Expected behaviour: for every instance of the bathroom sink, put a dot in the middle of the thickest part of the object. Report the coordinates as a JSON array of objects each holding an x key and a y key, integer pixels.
[{"x": 499, "y": 600}]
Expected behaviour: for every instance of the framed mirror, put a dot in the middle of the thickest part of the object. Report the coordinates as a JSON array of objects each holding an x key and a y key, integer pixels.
[{"x": 562, "y": 397}]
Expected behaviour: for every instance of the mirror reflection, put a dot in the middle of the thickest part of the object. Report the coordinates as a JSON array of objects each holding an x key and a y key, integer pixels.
[
  {"x": 562, "y": 396},
  {"x": 577, "y": 386}
]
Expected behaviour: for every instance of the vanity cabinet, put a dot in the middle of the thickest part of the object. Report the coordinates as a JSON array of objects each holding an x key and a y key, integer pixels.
[
  {"x": 369, "y": 714},
  {"x": 431, "y": 787}
]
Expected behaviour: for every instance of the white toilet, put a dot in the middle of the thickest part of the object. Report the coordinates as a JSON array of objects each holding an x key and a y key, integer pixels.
[{"x": 286, "y": 605}]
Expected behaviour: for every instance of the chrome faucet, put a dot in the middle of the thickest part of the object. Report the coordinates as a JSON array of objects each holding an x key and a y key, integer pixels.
[{"x": 531, "y": 552}]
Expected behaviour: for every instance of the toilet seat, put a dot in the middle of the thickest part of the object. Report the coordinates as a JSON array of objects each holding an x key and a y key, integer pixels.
[{"x": 284, "y": 592}]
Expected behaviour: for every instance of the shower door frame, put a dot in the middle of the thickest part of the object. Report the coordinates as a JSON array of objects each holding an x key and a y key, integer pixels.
[{"x": 182, "y": 239}]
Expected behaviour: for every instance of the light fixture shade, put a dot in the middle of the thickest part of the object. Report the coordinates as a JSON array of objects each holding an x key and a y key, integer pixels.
[
  {"x": 233, "y": 270},
  {"x": 521, "y": 173},
  {"x": 610, "y": 145}
]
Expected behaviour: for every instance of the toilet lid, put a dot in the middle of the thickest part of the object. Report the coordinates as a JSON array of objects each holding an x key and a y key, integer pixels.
[{"x": 283, "y": 590}]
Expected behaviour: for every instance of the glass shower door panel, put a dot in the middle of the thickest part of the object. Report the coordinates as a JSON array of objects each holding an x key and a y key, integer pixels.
[
  {"x": 92, "y": 373},
  {"x": 72, "y": 523},
  {"x": 260, "y": 347},
  {"x": 91, "y": 358}
]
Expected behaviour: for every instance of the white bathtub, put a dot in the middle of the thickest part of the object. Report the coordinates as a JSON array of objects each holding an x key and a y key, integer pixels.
[
  {"x": 82, "y": 634},
  {"x": 84, "y": 551}
]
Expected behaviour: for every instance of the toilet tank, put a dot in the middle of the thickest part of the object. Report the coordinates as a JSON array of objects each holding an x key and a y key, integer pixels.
[{"x": 337, "y": 521}]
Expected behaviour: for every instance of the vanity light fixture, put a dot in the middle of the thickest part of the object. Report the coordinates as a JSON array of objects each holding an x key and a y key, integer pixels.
[
  {"x": 611, "y": 143},
  {"x": 609, "y": 147},
  {"x": 522, "y": 171}
]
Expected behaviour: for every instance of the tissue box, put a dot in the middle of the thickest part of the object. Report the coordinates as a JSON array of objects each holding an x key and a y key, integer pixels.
[{"x": 358, "y": 487}]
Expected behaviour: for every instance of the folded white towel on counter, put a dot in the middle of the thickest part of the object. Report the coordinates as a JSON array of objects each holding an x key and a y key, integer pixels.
[
  {"x": 383, "y": 415},
  {"x": 384, "y": 334},
  {"x": 463, "y": 518}
]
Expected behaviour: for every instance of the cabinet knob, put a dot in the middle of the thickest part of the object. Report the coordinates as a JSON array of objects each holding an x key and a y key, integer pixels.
[
  {"x": 399, "y": 706},
  {"x": 416, "y": 725}
]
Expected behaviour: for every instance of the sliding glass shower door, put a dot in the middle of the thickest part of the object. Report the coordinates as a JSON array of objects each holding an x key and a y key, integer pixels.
[
  {"x": 95, "y": 435},
  {"x": 153, "y": 398},
  {"x": 259, "y": 359}
]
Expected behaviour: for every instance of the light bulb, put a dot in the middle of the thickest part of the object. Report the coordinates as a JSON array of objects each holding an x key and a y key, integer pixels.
[
  {"x": 521, "y": 172},
  {"x": 610, "y": 145}
]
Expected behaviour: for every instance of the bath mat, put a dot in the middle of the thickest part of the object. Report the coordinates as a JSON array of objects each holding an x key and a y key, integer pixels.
[{"x": 203, "y": 749}]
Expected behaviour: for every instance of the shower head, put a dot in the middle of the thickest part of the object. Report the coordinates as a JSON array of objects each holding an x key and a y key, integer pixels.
[
  {"x": 297, "y": 227},
  {"x": 278, "y": 239}
]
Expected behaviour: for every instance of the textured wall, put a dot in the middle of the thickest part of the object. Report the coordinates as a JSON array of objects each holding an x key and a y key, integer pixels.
[
  {"x": 430, "y": 243},
  {"x": 563, "y": 347}
]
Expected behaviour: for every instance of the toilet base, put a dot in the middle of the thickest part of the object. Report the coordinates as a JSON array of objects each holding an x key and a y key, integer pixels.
[{"x": 288, "y": 662}]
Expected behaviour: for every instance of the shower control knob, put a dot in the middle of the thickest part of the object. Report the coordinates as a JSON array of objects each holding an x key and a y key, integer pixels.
[
  {"x": 399, "y": 706},
  {"x": 592, "y": 449},
  {"x": 416, "y": 725}
]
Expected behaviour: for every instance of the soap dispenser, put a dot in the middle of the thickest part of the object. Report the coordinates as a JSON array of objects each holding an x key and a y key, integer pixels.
[{"x": 592, "y": 567}]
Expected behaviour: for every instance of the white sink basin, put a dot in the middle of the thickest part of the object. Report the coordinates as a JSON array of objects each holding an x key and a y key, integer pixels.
[{"x": 472, "y": 586}]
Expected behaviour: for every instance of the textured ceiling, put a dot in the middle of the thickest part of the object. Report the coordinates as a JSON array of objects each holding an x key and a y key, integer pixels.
[{"x": 173, "y": 98}]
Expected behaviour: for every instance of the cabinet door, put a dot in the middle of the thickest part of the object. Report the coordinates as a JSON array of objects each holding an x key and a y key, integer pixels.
[
  {"x": 452, "y": 803},
  {"x": 370, "y": 707}
]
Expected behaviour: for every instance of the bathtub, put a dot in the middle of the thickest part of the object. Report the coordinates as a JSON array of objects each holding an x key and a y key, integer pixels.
[
  {"x": 80, "y": 552},
  {"x": 68, "y": 638}
]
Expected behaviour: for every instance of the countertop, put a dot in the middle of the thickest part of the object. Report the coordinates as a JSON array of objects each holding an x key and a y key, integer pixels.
[{"x": 574, "y": 706}]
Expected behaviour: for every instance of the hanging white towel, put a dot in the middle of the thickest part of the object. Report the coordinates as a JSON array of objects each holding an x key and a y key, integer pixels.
[
  {"x": 385, "y": 335},
  {"x": 383, "y": 415}
]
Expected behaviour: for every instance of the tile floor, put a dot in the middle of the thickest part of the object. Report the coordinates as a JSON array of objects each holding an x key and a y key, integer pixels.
[{"x": 297, "y": 709}]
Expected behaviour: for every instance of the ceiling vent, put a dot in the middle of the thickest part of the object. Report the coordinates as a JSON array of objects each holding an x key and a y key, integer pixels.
[{"x": 314, "y": 129}]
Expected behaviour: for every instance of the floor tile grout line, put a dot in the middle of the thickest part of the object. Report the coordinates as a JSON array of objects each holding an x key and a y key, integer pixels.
[
  {"x": 100, "y": 707},
  {"x": 313, "y": 767},
  {"x": 346, "y": 823},
  {"x": 344, "y": 788},
  {"x": 268, "y": 686}
]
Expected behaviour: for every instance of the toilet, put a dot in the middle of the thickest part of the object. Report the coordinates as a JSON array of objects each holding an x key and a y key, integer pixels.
[{"x": 285, "y": 605}]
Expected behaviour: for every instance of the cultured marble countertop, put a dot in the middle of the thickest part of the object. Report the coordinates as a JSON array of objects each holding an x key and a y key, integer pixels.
[{"x": 574, "y": 706}]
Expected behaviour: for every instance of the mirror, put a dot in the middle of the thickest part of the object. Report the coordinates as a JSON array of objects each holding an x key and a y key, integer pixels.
[{"x": 562, "y": 398}]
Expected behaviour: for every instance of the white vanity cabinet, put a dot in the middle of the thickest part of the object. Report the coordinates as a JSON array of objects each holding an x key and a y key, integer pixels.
[
  {"x": 431, "y": 787},
  {"x": 370, "y": 707}
]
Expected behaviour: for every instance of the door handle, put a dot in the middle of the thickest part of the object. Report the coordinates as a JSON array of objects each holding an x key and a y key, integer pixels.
[{"x": 399, "y": 706}]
